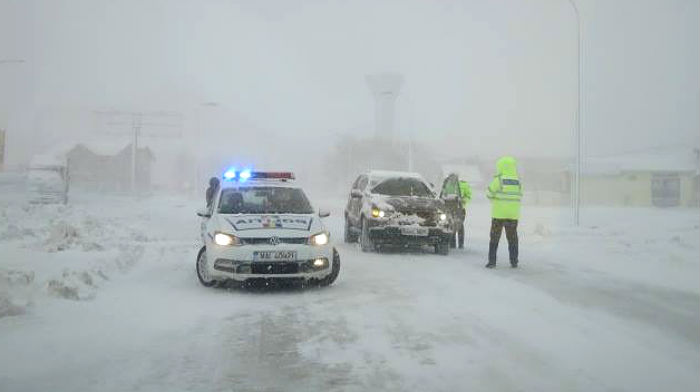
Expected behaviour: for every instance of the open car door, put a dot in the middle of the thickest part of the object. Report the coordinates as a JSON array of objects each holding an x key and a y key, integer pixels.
[{"x": 452, "y": 198}]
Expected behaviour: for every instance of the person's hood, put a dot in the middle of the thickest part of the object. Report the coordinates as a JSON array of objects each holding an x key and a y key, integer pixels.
[{"x": 507, "y": 166}]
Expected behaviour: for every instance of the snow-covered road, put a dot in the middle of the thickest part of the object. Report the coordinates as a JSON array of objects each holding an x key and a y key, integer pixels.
[{"x": 613, "y": 306}]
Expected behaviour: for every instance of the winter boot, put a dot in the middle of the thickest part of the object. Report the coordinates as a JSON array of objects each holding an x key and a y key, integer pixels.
[
  {"x": 493, "y": 250},
  {"x": 513, "y": 253}
]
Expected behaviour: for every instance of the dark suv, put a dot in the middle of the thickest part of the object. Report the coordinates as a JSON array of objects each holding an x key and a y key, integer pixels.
[{"x": 396, "y": 209}]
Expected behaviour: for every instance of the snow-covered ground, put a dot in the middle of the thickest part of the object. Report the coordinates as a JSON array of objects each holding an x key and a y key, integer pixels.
[{"x": 102, "y": 295}]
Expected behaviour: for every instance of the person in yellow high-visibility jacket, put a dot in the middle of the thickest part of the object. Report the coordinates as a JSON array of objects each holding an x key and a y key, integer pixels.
[
  {"x": 505, "y": 192},
  {"x": 465, "y": 192}
]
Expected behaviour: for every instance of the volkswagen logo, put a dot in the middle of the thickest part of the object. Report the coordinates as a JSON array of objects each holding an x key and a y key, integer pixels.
[{"x": 274, "y": 240}]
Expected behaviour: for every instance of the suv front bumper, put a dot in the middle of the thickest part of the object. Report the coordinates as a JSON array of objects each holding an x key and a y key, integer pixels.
[{"x": 392, "y": 235}]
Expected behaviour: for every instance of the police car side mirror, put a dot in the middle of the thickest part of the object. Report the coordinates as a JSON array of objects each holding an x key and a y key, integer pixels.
[
  {"x": 203, "y": 213},
  {"x": 324, "y": 213},
  {"x": 356, "y": 193}
]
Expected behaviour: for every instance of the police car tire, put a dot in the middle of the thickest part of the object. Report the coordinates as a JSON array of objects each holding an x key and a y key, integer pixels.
[
  {"x": 335, "y": 270},
  {"x": 366, "y": 244},
  {"x": 442, "y": 248},
  {"x": 204, "y": 283}
]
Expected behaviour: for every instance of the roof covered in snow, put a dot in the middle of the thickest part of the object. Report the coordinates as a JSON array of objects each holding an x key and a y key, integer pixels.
[
  {"x": 47, "y": 160},
  {"x": 391, "y": 173}
]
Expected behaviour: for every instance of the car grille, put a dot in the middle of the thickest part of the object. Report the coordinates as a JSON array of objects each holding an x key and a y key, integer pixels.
[
  {"x": 428, "y": 216},
  {"x": 274, "y": 268},
  {"x": 266, "y": 240}
]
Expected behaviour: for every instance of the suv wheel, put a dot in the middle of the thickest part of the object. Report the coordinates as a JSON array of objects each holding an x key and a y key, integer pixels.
[
  {"x": 350, "y": 237},
  {"x": 202, "y": 273},
  {"x": 365, "y": 242},
  {"x": 442, "y": 248}
]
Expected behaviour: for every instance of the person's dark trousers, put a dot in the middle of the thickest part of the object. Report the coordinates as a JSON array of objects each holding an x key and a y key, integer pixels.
[{"x": 511, "y": 226}]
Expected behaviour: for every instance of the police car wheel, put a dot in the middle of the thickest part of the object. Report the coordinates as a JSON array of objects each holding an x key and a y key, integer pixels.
[
  {"x": 202, "y": 273},
  {"x": 335, "y": 270},
  {"x": 365, "y": 242}
]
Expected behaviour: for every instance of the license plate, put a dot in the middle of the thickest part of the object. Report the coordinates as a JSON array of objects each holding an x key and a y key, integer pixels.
[
  {"x": 417, "y": 231},
  {"x": 275, "y": 255}
]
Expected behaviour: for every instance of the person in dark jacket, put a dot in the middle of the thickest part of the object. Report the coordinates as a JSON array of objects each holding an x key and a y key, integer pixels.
[{"x": 211, "y": 191}]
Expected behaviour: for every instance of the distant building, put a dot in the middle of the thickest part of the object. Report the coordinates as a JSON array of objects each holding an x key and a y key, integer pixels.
[
  {"x": 661, "y": 179},
  {"x": 108, "y": 167}
]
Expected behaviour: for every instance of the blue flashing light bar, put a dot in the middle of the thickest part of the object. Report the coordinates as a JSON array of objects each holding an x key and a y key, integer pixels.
[
  {"x": 232, "y": 174},
  {"x": 245, "y": 174}
]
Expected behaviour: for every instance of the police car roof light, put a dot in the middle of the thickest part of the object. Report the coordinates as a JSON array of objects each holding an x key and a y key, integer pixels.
[
  {"x": 273, "y": 175},
  {"x": 230, "y": 174},
  {"x": 244, "y": 175}
]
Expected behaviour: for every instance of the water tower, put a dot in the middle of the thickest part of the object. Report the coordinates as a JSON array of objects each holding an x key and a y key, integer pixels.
[{"x": 385, "y": 87}]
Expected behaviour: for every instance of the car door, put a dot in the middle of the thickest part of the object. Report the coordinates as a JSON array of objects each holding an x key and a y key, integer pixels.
[
  {"x": 356, "y": 199},
  {"x": 452, "y": 198}
]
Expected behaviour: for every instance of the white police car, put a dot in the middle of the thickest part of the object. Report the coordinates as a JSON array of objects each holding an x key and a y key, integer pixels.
[{"x": 261, "y": 226}]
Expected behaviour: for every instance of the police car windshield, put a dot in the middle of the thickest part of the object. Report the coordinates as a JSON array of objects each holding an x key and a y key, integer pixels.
[
  {"x": 403, "y": 187},
  {"x": 264, "y": 200}
]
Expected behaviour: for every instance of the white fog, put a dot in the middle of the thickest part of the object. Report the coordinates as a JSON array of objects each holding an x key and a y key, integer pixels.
[{"x": 273, "y": 195}]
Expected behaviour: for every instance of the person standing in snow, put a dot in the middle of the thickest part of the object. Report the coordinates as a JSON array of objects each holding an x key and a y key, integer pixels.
[
  {"x": 505, "y": 193},
  {"x": 211, "y": 191},
  {"x": 466, "y": 195}
]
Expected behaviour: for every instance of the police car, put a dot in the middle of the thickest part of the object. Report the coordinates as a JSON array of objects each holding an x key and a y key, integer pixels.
[{"x": 261, "y": 226}]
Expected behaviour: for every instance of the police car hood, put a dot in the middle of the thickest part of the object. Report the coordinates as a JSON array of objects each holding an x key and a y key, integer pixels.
[{"x": 267, "y": 225}]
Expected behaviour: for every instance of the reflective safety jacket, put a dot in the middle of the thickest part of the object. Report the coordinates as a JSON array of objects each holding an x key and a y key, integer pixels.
[
  {"x": 505, "y": 190},
  {"x": 465, "y": 192}
]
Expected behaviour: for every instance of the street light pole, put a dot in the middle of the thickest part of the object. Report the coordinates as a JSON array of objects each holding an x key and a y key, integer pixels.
[{"x": 576, "y": 191}]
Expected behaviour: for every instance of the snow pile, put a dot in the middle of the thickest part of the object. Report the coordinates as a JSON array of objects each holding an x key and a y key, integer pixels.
[{"x": 61, "y": 251}]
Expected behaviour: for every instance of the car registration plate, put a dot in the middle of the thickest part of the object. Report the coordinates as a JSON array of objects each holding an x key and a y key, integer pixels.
[
  {"x": 275, "y": 255},
  {"x": 417, "y": 231}
]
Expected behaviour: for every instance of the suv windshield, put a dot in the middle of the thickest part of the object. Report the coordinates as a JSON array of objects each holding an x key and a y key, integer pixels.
[
  {"x": 264, "y": 200},
  {"x": 403, "y": 187}
]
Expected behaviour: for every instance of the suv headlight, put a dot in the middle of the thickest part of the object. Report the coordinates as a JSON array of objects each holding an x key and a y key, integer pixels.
[
  {"x": 377, "y": 213},
  {"x": 224, "y": 239},
  {"x": 442, "y": 217},
  {"x": 319, "y": 239}
]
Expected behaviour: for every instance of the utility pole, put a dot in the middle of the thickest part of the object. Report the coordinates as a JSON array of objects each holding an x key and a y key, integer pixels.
[
  {"x": 134, "y": 124},
  {"x": 576, "y": 189}
]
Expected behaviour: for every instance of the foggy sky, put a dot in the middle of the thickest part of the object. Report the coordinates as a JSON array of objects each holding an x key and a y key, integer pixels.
[{"x": 481, "y": 77}]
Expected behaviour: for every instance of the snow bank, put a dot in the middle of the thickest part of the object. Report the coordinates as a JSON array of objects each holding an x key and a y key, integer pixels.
[{"x": 60, "y": 251}]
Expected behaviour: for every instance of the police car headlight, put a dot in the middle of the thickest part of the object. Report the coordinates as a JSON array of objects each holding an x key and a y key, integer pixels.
[
  {"x": 443, "y": 217},
  {"x": 319, "y": 239},
  {"x": 223, "y": 239}
]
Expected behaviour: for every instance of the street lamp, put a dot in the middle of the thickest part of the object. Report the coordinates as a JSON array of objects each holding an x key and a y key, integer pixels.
[{"x": 576, "y": 191}]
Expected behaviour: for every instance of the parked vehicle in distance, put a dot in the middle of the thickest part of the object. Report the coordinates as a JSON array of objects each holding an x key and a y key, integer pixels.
[
  {"x": 48, "y": 180},
  {"x": 387, "y": 208}
]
